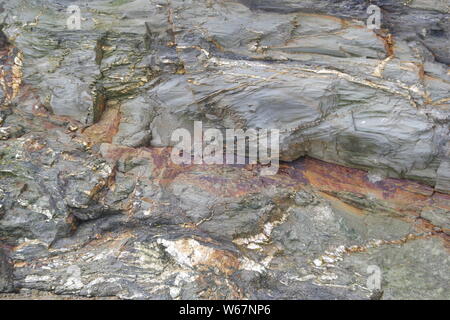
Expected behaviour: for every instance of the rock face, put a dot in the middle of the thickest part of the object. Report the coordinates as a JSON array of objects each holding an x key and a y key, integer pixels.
[{"x": 92, "y": 206}]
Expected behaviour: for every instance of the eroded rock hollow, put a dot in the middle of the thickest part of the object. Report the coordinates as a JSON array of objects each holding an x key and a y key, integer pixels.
[{"x": 91, "y": 204}]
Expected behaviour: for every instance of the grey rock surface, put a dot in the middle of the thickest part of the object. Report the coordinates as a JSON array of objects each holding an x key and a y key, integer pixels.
[
  {"x": 91, "y": 205},
  {"x": 337, "y": 91}
]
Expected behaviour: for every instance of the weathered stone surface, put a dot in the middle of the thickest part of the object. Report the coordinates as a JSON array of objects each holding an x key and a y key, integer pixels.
[
  {"x": 92, "y": 206},
  {"x": 338, "y": 91}
]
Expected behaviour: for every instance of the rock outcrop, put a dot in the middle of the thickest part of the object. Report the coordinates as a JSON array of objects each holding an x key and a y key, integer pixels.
[{"x": 92, "y": 206}]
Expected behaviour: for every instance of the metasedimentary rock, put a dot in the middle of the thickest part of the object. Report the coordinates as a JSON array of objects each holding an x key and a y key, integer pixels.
[
  {"x": 91, "y": 204},
  {"x": 339, "y": 92}
]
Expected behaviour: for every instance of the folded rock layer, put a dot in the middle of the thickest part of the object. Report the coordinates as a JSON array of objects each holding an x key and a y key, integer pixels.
[{"x": 91, "y": 204}]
